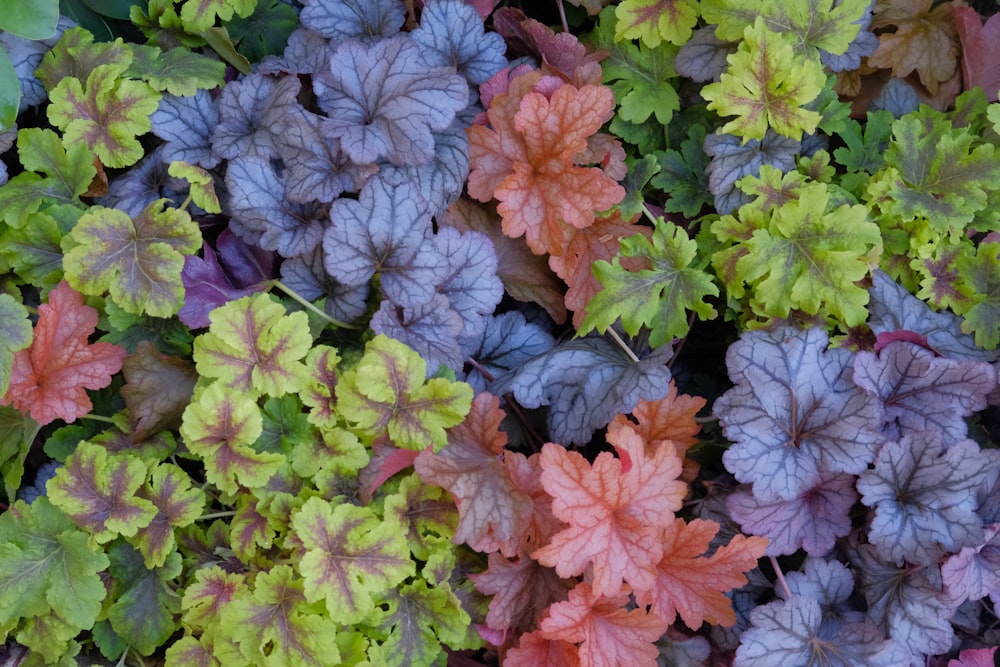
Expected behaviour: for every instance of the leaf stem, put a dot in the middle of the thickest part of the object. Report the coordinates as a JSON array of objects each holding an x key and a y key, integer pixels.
[
  {"x": 216, "y": 515},
  {"x": 308, "y": 305},
  {"x": 649, "y": 214},
  {"x": 781, "y": 577},
  {"x": 98, "y": 418},
  {"x": 562, "y": 15},
  {"x": 618, "y": 339}
]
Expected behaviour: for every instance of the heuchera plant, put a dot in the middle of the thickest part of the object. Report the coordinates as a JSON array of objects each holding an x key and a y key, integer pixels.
[{"x": 375, "y": 332}]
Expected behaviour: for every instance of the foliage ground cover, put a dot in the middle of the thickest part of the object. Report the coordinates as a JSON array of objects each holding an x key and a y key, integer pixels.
[{"x": 478, "y": 332}]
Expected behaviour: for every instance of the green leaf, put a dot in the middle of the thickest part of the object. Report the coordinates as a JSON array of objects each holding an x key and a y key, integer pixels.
[
  {"x": 767, "y": 85},
  {"x": 179, "y": 71},
  {"x": 177, "y": 504},
  {"x": 426, "y": 512},
  {"x": 219, "y": 426},
  {"x": 34, "y": 251},
  {"x": 266, "y": 31},
  {"x": 254, "y": 347},
  {"x": 15, "y": 334},
  {"x": 47, "y": 567},
  {"x": 387, "y": 392},
  {"x": 114, "y": 9},
  {"x": 200, "y": 15},
  {"x": 107, "y": 113},
  {"x": 98, "y": 491},
  {"x": 17, "y": 434},
  {"x": 864, "y": 146},
  {"x": 87, "y": 19},
  {"x": 76, "y": 55},
  {"x": 351, "y": 557},
  {"x": 320, "y": 386},
  {"x": 657, "y": 297},
  {"x": 208, "y": 595},
  {"x": 683, "y": 175},
  {"x": 656, "y": 21},
  {"x": 139, "y": 261},
  {"x": 68, "y": 168},
  {"x": 639, "y": 75},
  {"x": 10, "y": 92},
  {"x": 201, "y": 182},
  {"x": 276, "y": 626},
  {"x": 31, "y": 19},
  {"x": 981, "y": 272},
  {"x": 146, "y": 609}
]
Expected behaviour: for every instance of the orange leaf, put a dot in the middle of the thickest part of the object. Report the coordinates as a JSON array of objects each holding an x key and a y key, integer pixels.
[
  {"x": 925, "y": 40},
  {"x": 693, "y": 585},
  {"x": 534, "y": 650},
  {"x": 616, "y": 509},
  {"x": 48, "y": 380},
  {"x": 670, "y": 418}
]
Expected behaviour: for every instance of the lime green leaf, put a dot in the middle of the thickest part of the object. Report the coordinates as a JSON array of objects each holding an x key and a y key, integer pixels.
[
  {"x": 204, "y": 599},
  {"x": 387, "y": 392},
  {"x": 810, "y": 259},
  {"x": 179, "y": 71},
  {"x": 767, "y": 85},
  {"x": 34, "y": 251},
  {"x": 191, "y": 651},
  {"x": 276, "y": 626},
  {"x": 17, "y": 434},
  {"x": 219, "y": 426},
  {"x": 250, "y": 529},
  {"x": 639, "y": 75},
  {"x": 319, "y": 390},
  {"x": 201, "y": 182},
  {"x": 107, "y": 113},
  {"x": 981, "y": 272},
  {"x": 145, "y": 608},
  {"x": 31, "y": 19},
  {"x": 47, "y": 566},
  {"x": 655, "y": 21},
  {"x": 177, "y": 504},
  {"x": 98, "y": 491},
  {"x": 254, "y": 347},
  {"x": 10, "y": 92},
  {"x": 200, "y": 15},
  {"x": 139, "y": 261},
  {"x": 48, "y": 637},
  {"x": 351, "y": 557},
  {"x": 68, "y": 168},
  {"x": 15, "y": 334},
  {"x": 657, "y": 297},
  {"x": 76, "y": 55},
  {"x": 426, "y": 512}
]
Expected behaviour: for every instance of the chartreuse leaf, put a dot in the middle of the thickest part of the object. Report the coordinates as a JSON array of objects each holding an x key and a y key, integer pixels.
[
  {"x": 201, "y": 182},
  {"x": 106, "y": 112},
  {"x": 34, "y": 252},
  {"x": 177, "y": 504},
  {"x": 98, "y": 490},
  {"x": 178, "y": 71},
  {"x": 199, "y": 15},
  {"x": 47, "y": 568},
  {"x": 145, "y": 609},
  {"x": 15, "y": 334},
  {"x": 139, "y": 261},
  {"x": 76, "y": 55},
  {"x": 219, "y": 425},
  {"x": 656, "y": 21},
  {"x": 352, "y": 557},
  {"x": 254, "y": 347},
  {"x": 68, "y": 169},
  {"x": 387, "y": 392},
  {"x": 657, "y": 297},
  {"x": 275, "y": 626},
  {"x": 767, "y": 85}
]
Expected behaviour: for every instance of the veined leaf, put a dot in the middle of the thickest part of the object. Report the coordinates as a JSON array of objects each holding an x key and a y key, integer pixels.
[
  {"x": 656, "y": 21},
  {"x": 145, "y": 607},
  {"x": 177, "y": 71},
  {"x": 200, "y": 15},
  {"x": 15, "y": 333},
  {"x": 177, "y": 504}
]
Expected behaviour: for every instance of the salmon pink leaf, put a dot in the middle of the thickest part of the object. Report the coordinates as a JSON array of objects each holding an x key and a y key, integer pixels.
[
  {"x": 979, "y": 50},
  {"x": 352, "y": 558},
  {"x": 98, "y": 491},
  {"x": 255, "y": 347},
  {"x": 608, "y": 633},
  {"x": 340, "y": 20},
  {"x": 795, "y": 413},
  {"x": 975, "y": 657},
  {"x": 616, "y": 508},
  {"x": 385, "y": 101},
  {"x": 49, "y": 378},
  {"x": 452, "y": 35}
]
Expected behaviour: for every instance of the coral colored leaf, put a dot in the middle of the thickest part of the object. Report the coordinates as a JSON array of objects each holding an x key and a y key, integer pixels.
[
  {"x": 493, "y": 512},
  {"x": 98, "y": 491},
  {"x": 766, "y": 86},
  {"x": 527, "y": 162},
  {"x": 925, "y": 40},
  {"x": 521, "y": 591},
  {"x": 974, "y": 657},
  {"x": 388, "y": 392},
  {"x": 253, "y": 346},
  {"x": 139, "y": 260},
  {"x": 980, "y": 50},
  {"x": 669, "y": 418},
  {"x": 156, "y": 391},
  {"x": 177, "y": 503},
  {"x": 693, "y": 585},
  {"x": 534, "y": 650},
  {"x": 616, "y": 509},
  {"x": 351, "y": 557},
  {"x": 219, "y": 426},
  {"x": 48, "y": 380},
  {"x": 607, "y": 632}
]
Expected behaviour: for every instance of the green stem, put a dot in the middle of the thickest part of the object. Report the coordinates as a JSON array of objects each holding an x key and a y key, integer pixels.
[
  {"x": 98, "y": 418},
  {"x": 649, "y": 214},
  {"x": 217, "y": 515},
  {"x": 309, "y": 306}
]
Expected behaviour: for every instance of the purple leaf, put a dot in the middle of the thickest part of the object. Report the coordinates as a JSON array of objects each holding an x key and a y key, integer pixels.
[
  {"x": 452, "y": 35},
  {"x": 306, "y": 275},
  {"x": 471, "y": 283},
  {"x": 252, "y": 114},
  {"x": 788, "y": 633},
  {"x": 431, "y": 328},
  {"x": 317, "y": 169},
  {"x": 924, "y": 497},
  {"x": 921, "y": 390},
  {"x": 384, "y": 101},
  {"x": 830, "y": 583},
  {"x": 246, "y": 265},
  {"x": 703, "y": 57},
  {"x": 508, "y": 341},
  {"x": 261, "y": 215},
  {"x": 586, "y": 382},
  {"x": 143, "y": 184},
  {"x": 812, "y": 521},
  {"x": 863, "y": 45},
  {"x": 306, "y": 52},
  {"x": 441, "y": 180},
  {"x": 186, "y": 124},
  {"x": 974, "y": 572},
  {"x": 794, "y": 413},
  {"x": 732, "y": 160},
  {"x": 359, "y": 19},
  {"x": 387, "y": 230},
  {"x": 206, "y": 287}
]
